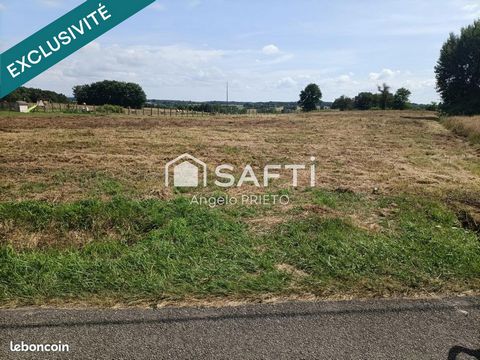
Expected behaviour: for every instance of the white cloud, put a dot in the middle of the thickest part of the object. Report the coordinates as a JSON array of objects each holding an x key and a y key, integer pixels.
[
  {"x": 157, "y": 68},
  {"x": 286, "y": 82},
  {"x": 470, "y": 7},
  {"x": 2, "y": 7},
  {"x": 385, "y": 74},
  {"x": 345, "y": 79},
  {"x": 412, "y": 81},
  {"x": 276, "y": 60},
  {"x": 271, "y": 50},
  {"x": 52, "y": 3}
]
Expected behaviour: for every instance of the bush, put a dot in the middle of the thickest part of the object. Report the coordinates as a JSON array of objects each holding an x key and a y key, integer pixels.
[
  {"x": 343, "y": 103},
  {"x": 433, "y": 106},
  {"x": 110, "y": 109}
]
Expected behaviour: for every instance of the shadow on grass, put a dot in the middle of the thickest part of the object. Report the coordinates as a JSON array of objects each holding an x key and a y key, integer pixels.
[{"x": 432, "y": 117}]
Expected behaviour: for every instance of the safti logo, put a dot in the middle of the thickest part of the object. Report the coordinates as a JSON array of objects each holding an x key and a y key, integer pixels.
[{"x": 188, "y": 171}]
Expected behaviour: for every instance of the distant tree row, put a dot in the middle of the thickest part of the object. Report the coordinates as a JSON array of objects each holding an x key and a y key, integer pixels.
[
  {"x": 384, "y": 100},
  {"x": 32, "y": 95},
  {"x": 214, "y": 108},
  {"x": 112, "y": 93}
]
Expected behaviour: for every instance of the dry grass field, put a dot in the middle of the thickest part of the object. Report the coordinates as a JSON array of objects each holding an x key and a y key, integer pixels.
[
  {"x": 468, "y": 127},
  {"x": 70, "y": 158},
  {"x": 393, "y": 192}
]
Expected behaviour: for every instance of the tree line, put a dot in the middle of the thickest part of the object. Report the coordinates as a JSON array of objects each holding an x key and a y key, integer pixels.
[
  {"x": 457, "y": 74},
  {"x": 384, "y": 99},
  {"x": 112, "y": 93},
  {"x": 33, "y": 95},
  {"x": 310, "y": 99}
]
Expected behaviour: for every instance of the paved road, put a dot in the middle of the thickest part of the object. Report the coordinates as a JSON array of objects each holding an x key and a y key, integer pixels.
[{"x": 438, "y": 329}]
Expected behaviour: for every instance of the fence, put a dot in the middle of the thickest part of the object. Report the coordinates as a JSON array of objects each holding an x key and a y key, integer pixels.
[
  {"x": 92, "y": 109},
  {"x": 158, "y": 112}
]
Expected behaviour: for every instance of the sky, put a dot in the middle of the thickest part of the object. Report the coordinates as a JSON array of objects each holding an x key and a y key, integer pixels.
[{"x": 268, "y": 50}]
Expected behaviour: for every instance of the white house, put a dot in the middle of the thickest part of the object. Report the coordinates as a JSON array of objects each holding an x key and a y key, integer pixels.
[{"x": 22, "y": 106}]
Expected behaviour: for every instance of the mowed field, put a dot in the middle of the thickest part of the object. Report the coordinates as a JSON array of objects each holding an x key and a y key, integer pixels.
[
  {"x": 64, "y": 158},
  {"x": 85, "y": 215}
]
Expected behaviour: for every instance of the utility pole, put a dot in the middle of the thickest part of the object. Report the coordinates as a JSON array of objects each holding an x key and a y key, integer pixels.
[{"x": 227, "y": 98}]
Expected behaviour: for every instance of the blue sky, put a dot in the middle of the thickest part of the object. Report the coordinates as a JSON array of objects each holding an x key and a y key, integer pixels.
[{"x": 267, "y": 50}]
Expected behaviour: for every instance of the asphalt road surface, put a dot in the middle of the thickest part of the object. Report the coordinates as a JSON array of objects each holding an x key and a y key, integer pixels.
[{"x": 389, "y": 329}]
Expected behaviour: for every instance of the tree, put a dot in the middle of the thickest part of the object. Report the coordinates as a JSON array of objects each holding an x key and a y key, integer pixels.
[
  {"x": 458, "y": 72},
  {"x": 343, "y": 103},
  {"x": 112, "y": 93},
  {"x": 433, "y": 106},
  {"x": 385, "y": 97},
  {"x": 310, "y": 97},
  {"x": 401, "y": 99},
  {"x": 33, "y": 95},
  {"x": 365, "y": 101}
]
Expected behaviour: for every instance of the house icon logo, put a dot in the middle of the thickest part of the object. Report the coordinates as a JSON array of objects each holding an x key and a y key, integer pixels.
[{"x": 188, "y": 171}]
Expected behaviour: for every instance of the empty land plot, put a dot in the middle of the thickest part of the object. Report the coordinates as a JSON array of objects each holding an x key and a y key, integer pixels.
[
  {"x": 71, "y": 158},
  {"x": 84, "y": 213}
]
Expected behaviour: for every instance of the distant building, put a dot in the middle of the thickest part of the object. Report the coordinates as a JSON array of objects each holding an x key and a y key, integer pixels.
[{"x": 22, "y": 106}]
